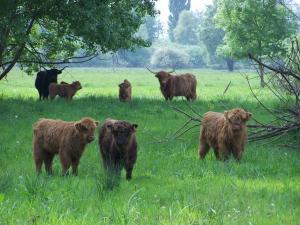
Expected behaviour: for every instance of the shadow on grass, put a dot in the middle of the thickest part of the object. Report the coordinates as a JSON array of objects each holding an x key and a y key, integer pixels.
[{"x": 92, "y": 104}]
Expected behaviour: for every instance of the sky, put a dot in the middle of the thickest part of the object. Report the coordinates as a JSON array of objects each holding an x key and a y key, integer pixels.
[{"x": 162, "y": 6}]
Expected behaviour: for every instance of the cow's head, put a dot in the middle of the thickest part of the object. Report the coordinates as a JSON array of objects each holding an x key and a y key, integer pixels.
[
  {"x": 76, "y": 85},
  {"x": 237, "y": 118},
  {"x": 86, "y": 128},
  {"x": 162, "y": 76},
  {"x": 126, "y": 84},
  {"x": 122, "y": 131}
]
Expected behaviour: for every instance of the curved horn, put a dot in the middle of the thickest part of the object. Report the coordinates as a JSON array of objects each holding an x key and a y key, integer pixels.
[
  {"x": 150, "y": 70},
  {"x": 64, "y": 68},
  {"x": 172, "y": 71}
]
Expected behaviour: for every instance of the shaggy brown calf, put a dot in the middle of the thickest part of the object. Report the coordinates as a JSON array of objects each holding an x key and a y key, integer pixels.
[
  {"x": 118, "y": 146},
  {"x": 181, "y": 85},
  {"x": 125, "y": 91},
  {"x": 64, "y": 90},
  {"x": 225, "y": 133},
  {"x": 67, "y": 139}
]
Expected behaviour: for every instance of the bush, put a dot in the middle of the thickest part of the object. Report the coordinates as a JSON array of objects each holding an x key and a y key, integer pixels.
[
  {"x": 137, "y": 58},
  {"x": 198, "y": 55},
  {"x": 167, "y": 57}
]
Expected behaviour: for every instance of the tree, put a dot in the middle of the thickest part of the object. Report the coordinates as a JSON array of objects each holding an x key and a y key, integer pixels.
[
  {"x": 186, "y": 30},
  {"x": 175, "y": 7},
  {"x": 153, "y": 27},
  {"x": 256, "y": 27},
  {"x": 43, "y": 32},
  {"x": 212, "y": 37}
]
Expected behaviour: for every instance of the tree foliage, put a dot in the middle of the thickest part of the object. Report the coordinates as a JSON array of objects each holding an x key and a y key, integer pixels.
[
  {"x": 153, "y": 27},
  {"x": 42, "y": 32},
  {"x": 186, "y": 30},
  {"x": 212, "y": 37},
  {"x": 175, "y": 8},
  {"x": 256, "y": 27},
  {"x": 209, "y": 34}
]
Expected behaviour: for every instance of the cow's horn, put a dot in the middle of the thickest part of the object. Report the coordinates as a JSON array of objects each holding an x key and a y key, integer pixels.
[
  {"x": 63, "y": 68},
  {"x": 150, "y": 70}
]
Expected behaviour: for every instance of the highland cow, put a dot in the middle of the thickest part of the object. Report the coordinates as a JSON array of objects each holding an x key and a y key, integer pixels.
[
  {"x": 180, "y": 85},
  {"x": 43, "y": 80},
  {"x": 125, "y": 91},
  {"x": 64, "y": 90},
  {"x": 225, "y": 133},
  {"x": 118, "y": 146},
  {"x": 67, "y": 139}
]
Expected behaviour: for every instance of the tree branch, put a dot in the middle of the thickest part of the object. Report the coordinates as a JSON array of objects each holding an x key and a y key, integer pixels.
[{"x": 19, "y": 51}]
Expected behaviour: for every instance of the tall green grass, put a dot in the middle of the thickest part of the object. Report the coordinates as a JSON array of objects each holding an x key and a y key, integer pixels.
[{"x": 170, "y": 184}]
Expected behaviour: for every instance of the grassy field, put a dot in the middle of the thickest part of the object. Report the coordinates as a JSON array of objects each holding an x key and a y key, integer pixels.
[{"x": 170, "y": 184}]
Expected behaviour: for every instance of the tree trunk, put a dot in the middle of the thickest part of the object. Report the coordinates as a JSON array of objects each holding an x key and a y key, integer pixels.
[
  {"x": 261, "y": 75},
  {"x": 19, "y": 51},
  {"x": 230, "y": 64}
]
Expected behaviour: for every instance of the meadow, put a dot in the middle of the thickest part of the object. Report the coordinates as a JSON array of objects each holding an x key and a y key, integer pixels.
[{"x": 170, "y": 184}]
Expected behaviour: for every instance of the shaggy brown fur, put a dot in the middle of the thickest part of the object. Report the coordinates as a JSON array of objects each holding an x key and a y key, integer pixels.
[
  {"x": 118, "y": 146},
  {"x": 181, "y": 85},
  {"x": 225, "y": 133},
  {"x": 67, "y": 139},
  {"x": 66, "y": 91},
  {"x": 125, "y": 91}
]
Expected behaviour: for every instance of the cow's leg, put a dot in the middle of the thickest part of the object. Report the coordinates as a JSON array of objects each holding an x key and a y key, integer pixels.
[
  {"x": 75, "y": 163},
  {"x": 237, "y": 152},
  {"x": 129, "y": 173},
  {"x": 38, "y": 158},
  {"x": 48, "y": 162},
  {"x": 216, "y": 151},
  {"x": 224, "y": 153},
  {"x": 204, "y": 149},
  {"x": 46, "y": 94},
  {"x": 40, "y": 95},
  {"x": 65, "y": 162}
]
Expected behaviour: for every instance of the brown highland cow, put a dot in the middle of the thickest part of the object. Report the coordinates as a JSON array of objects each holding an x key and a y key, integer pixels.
[
  {"x": 180, "y": 85},
  {"x": 67, "y": 139},
  {"x": 64, "y": 90},
  {"x": 125, "y": 91},
  {"x": 118, "y": 146},
  {"x": 225, "y": 133}
]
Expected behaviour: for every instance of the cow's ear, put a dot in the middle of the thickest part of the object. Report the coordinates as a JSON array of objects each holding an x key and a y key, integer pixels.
[
  {"x": 80, "y": 127},
  {"x": 134, "y": 126},
  {"x": 248, "y": 116}
]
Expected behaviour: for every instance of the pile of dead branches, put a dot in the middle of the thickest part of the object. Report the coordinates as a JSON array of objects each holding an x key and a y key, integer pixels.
[{"x": 284, "y": 83}]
